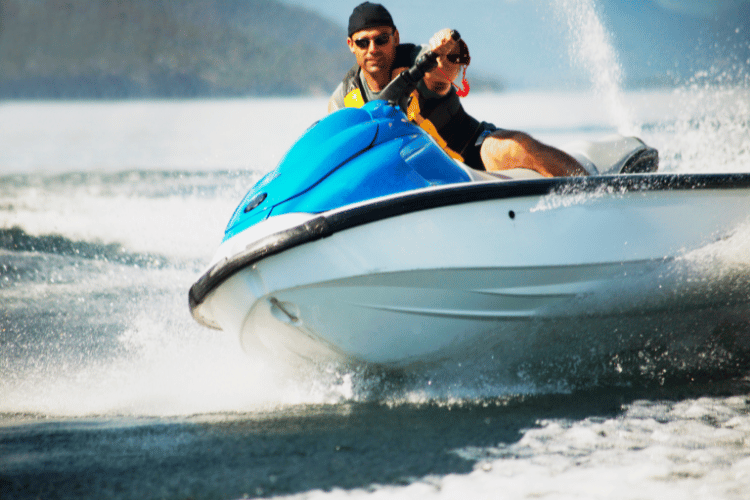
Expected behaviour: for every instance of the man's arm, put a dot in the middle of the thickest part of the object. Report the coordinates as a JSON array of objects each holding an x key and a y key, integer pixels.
[{"x": 506, "y": 149}]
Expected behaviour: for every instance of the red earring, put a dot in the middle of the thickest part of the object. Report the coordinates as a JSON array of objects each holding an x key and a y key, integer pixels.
[{"x": 465, "y": 84}]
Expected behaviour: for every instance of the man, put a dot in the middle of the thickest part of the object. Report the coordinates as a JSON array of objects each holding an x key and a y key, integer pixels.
[{"x": 374, "y": 41}]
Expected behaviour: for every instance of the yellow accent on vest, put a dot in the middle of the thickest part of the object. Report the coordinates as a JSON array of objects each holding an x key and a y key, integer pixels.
[
  {"x": 413, "y": 114},
  {"x": 354, "y": 99}
]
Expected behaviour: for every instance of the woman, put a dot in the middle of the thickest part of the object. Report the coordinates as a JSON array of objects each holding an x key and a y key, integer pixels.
[{"x": 435, "y": 106}]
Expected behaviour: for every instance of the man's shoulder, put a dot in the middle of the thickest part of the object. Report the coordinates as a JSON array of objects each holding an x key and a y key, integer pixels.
[
  {"x": 345, "y": 85},
  {"x": 337, "y": 98},
  {"x": 351, "y": 78}
]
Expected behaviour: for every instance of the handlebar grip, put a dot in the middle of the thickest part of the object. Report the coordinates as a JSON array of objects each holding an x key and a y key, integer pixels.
[
  {"x": 401, "y": 86},
  {"x": 426, "y": 63},
  {"x": 398, "y": 90}
]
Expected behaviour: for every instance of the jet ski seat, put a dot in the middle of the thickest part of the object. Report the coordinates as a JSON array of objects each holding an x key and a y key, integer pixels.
[
  {"x": 614, "y": 154},
  {"x": 510, "y": 174}
]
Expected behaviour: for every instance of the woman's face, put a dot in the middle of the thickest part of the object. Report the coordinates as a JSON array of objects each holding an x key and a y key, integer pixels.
[{"x": 439, "y": 79}]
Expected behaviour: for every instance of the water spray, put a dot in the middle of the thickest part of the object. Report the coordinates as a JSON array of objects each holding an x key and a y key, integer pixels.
[{"x": 590, "y": 48}]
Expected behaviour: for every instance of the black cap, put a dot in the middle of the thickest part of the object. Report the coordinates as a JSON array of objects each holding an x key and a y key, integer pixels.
[{"x": 369, "y": 15}]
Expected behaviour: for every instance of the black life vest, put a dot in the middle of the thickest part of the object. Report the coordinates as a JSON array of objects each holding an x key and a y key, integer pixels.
[
  {"x": 450, "y": 125},
  {"x": 354, "y": 96}
]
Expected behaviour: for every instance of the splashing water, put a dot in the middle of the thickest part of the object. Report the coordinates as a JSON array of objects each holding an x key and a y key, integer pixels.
[
  {"x": 711, "y": 130},
  {"x": 703, "y": 126},
  {"x": 102, "y": 327},
  {"x": 590, "y": 48}
]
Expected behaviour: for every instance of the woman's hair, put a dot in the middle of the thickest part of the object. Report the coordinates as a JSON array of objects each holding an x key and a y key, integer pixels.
[{"x": 463, "y": 51}]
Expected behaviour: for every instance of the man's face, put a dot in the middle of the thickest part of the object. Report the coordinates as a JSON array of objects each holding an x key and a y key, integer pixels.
[{"x": 374, "y": 48}]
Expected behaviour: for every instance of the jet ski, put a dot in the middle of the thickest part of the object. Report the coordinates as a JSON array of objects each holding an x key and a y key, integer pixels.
[{"x": 369, "y": 245}]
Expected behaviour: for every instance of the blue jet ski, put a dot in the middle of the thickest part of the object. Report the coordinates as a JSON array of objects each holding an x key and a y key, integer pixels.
[{"x": 369, "y": 244}]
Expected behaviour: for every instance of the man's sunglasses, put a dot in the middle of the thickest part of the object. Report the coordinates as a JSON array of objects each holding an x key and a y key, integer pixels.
[{"x": 379, "y": 40}]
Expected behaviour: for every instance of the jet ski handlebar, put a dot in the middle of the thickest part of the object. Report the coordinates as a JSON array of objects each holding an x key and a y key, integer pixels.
[{"x": 398, "y": 90}]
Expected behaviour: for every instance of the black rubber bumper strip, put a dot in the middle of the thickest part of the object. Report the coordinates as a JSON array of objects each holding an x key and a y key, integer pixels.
[{"x": 415, "y": 201}]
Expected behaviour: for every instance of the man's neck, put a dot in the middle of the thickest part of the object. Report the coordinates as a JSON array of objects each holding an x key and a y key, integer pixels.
[{"x": 377, "y": 81}]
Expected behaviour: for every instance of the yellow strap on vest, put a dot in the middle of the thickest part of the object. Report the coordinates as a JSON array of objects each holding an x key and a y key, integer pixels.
[
  {"x": 354, "y": 99},
  {"x": 413, "y": 114}
]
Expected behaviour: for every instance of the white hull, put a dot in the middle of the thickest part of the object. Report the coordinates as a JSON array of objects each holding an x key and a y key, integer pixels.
[{"x": 585, "y": 270}]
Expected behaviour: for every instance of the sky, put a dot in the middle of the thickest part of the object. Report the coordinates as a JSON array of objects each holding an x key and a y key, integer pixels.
[{"x": 526, "y": 41}]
